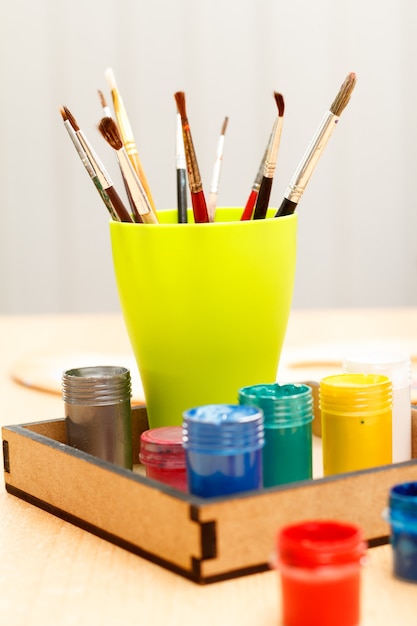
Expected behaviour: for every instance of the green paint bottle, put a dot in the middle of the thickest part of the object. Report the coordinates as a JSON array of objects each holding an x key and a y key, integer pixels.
[{"x": 288, "y": 416}]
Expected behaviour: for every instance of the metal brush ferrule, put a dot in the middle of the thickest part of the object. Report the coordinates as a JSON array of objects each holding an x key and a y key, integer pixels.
[
  {"x": 260, "y": 172},
  {"x": 194, "y": 178},
  {"x": 308, "y": 163},
  {"x": 180, "y": 160},
  {"x": 79, "y": 148},
  {"x": 272, "y": 151},
  {"x": 215, "y": 179},
  {"x": 269, "y": 169},
  {"x": 195, "y": 187},
  {"x": 130, "y": 148},
  {"x": 220, "y": 148},
  {"x": 103, "y": 177},
  {"x": 135, "y": 186},
  {"x": 180, "y": 153}
]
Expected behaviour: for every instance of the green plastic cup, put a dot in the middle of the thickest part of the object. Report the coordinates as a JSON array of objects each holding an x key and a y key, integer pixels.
[{"x": 206, "y": 306}]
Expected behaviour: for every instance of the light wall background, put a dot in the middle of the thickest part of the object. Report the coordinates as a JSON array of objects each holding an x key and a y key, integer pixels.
[{"x": 358, "y": 217}]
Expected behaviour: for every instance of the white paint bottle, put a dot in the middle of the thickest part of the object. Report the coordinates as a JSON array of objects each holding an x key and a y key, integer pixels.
[{"x": 397, "y": 366}]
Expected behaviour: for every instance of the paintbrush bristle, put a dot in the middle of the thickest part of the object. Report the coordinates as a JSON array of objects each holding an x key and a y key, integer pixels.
[
  {"x": 343, "y": 97},
  {"x": 109, "y": 74},
  {"x": 226, "y": 121},
  {"x": 71, "y": 119},
  {"x": 102, "y": 99},
  {"x": 110, "y": 132},
  {"x": 180, "y": 100},
  {"x": 279, "y": 99},
  {"x": 63, "y": 114}
]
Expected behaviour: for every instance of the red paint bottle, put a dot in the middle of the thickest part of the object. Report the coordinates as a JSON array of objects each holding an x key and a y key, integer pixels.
[
  {"x": 319, "y": 562},
  {"x": 163, "y": 455}
]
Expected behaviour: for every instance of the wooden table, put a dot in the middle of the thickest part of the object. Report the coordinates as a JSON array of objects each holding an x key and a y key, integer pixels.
[{"x": 53, "y": 573}]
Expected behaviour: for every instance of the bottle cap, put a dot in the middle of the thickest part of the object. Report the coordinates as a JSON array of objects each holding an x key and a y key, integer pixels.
[
  {"x": 394, "y": 364},
  {"x": 287, "y": 405},
  {"x": 162, "y": 447},
  {"x": 313, "y": 543},
  {"x": 223, "y": 429}
]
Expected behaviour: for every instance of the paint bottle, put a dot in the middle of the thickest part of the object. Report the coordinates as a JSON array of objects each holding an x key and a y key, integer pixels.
[
  {"x": 163, "y": 455},
  {"x": 98, "y": 412},
  {"x": 397, "y": 366},
  {"x": 288, "y": 416},
  {"x": 319, "y": 563},
  {"x": 356, "y": 419},
  {"x": 402, "y": 516},
  {"x": 223, "y": 448}
]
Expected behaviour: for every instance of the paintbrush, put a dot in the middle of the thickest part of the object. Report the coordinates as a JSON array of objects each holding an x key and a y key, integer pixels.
[
  {"x": 104, "y": 179},
  {"x": 194, "y": 179},
  {"x": 215, "y": 180},
  {"x": 251, "y": 201},
  {"x": 308, "y": 163},
  {"x": 262, "y": 201},
  {"x": 142, "y": 208},
  {"x": 126, "y": 134},
  {"x": 108, "y": 113},
  {"x": 106, "y": 109},
  {"x": 181, "y": 174},
  {"x": 89, "y": 168}
]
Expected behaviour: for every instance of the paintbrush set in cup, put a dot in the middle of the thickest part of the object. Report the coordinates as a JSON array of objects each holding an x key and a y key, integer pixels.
[{"x": 138, "y": 205}]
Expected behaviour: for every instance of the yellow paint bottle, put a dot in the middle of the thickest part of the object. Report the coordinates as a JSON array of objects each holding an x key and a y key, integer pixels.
[{"x": 356, "y": 417}]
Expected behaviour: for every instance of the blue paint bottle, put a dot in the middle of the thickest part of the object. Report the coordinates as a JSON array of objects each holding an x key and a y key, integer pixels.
[
  {"x": 402, "y": 515},
  {"x": 223, "y": 447},
  {"x": 288, "y": 416}
]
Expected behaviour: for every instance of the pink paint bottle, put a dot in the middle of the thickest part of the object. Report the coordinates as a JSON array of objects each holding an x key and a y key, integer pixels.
[
  {"x": 319, "y": 562},
  {"x": 163, "y": 455}
]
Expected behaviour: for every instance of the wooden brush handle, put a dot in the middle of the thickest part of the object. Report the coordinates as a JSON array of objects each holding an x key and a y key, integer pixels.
[
  {"x": 250, "y": 204},
  {"x": 199, "y": 207},
  {"x": 182, "y": 196},
  {"x": 263, "y": 199},
  {"x": 118, "y": 205},
  {"x": 287, "y": 208}
]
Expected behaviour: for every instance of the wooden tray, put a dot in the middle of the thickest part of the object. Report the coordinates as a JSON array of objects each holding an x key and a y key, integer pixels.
[{"x": 205, "y": 540}]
